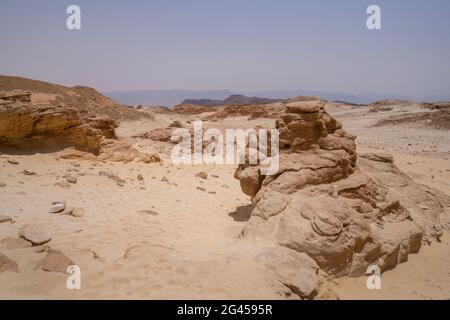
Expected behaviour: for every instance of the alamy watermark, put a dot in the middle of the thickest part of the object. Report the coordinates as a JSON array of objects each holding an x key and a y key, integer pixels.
[
  {"x": 239, "y": 147},
  {"x": 73, "y": 21},
  {"x": 74, "y": 279},
  {"x": 374, "y": 20},
  {"x": 374, "y": 279}
]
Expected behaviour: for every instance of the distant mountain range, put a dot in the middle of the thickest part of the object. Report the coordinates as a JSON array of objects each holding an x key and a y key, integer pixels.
[
  {"x": 234, "y": 99},
  {"x": 173, "y": 97}
]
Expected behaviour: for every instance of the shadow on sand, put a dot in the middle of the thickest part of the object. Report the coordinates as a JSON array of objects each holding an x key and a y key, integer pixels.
[{"x": 242, "y": 213}]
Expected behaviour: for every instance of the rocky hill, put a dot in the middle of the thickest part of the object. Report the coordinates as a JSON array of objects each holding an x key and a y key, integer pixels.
[
  {"x": 36, "y": 114},
  {"x": 87, "y": 101}
]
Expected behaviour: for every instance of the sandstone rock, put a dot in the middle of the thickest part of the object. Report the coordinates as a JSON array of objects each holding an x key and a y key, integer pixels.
[
  {"x": 295, "y": 270},
  {"x": 119, "y": 181},
  {"x": 379, "y": 156},
  {"x": 7, "y": 264},
  {"x": 124, "y": 151},
  {"x": 44, "y": 125},
  {"x": 176, "y": 124},
  {"x": 344, "y": 212},
  {"x": 16, "y": 243},
  {"x": 35, "y": 234},
  {"x": 71, "y": 179},
  {"x": 57, "y": 207},
  {"x": 78, "y": 212},
  {"x": 4, "y": 218},
  {"x": 162, "y": 135},
  {"x": 16, "y": 96},
  {"x": 41, "y": 249},
  {"x": 28, "y": 173},
  {"x": 202, "y": 175},
  {"x": 55, "y": 261}
]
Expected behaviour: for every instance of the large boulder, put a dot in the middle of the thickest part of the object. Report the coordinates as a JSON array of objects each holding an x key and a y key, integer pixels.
[{"x": 345, "y": 213}]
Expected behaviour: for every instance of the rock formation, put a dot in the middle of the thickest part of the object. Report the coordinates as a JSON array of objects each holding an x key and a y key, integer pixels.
[
  {"x": 24, "y": 124},
  {"x": 344, "y": 213}
]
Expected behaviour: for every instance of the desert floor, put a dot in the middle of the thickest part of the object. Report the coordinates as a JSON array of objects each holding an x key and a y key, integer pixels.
[{"x": 151, "y": 239}]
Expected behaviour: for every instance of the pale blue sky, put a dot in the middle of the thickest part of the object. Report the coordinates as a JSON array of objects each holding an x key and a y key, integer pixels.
[{"x": 237, "y": 45}]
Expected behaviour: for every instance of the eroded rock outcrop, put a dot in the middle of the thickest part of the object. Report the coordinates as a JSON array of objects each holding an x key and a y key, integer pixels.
[
  {"x": 24, "y": 124},
  {"x": 343, "y": 212}
]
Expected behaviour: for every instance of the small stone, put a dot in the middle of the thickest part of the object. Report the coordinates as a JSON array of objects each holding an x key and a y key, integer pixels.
[
  {"x": 201, "y": 189},
  {"x": 13, "y": 161},
  {"x": 211, "y": 192},
  {"x": 202, "y": 175},
  {"x": 2, "y": 184},
  {"x": 67, "y": 211},
  {"x": 57, "y": 207},
  {"x": 119, "y": 181},
  {"x": 63, "y": 184},
  {"x": 34, "y": 233},
  {"x": 72, "y": 179},
  {"x": 215, "y": 176},
  {"x": 4, "y": 218},
  {"x": 140, "y": 177},
  {"x": 78, "y": 212},
  {"x": 148, "y": 211},
  {"x": 225, "y": 186},
  {"x": 28, "y": 173},
  {"x": 164, "y": 179}
]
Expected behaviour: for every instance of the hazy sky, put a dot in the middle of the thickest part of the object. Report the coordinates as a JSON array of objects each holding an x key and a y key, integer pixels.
[{"x": 239, "y": 45}]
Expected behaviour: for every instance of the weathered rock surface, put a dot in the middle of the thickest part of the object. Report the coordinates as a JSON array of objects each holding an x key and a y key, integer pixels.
[
  {"x": 7, "y": 264},
  {"x": 45, "y": 115},
  {"x": 29, "y": 125},
  {"x": 57, "y": 206},
  {"x": 124, "y": 151},
  {"x": 202, "y": 175},
  {"x": 55, "y": 261},
  {"x": 343, "y": 212},
  {"x": 4, "y": 218},
  {"x": 15, "y": 243},
  {"x": 119, "y": 181},
  {"x": 295, "y": 270},
  {"x": 35, "y": 234}
]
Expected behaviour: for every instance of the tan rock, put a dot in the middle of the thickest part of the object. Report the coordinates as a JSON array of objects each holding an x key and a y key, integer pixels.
[
  {"x": 202, "y": 175},
  {"x": 36, "y": 234},
  {"x": 16, "y": 243},
  {"x": 4, "y": 218},
  {"x": 344, "y": 212},
  {"x": 55, "y": 261},
  {"x": 7, "y": 264},
  {"x": 295, "y": 270}
]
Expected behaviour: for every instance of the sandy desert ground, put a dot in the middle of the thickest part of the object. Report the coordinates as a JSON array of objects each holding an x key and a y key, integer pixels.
[{"x": 160, "y": 232}]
